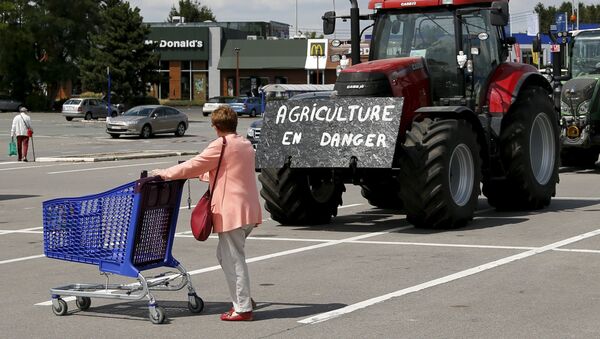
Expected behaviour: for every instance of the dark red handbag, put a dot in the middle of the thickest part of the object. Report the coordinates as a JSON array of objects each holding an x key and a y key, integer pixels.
[{"x": 201, "y": 221}]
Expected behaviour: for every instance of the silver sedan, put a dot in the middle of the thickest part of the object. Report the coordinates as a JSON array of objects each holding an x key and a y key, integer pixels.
[{"x": 146, "y": 121}]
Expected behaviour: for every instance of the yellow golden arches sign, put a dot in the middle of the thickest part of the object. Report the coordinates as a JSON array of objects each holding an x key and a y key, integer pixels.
[{"x": 317, "y": 49}]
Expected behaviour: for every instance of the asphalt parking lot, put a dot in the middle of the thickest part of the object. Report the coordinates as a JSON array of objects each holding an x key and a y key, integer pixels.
[{"x": 369, "y": 274}]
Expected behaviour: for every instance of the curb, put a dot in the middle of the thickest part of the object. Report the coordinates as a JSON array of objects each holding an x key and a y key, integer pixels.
[{"x": 116, "y": 156}]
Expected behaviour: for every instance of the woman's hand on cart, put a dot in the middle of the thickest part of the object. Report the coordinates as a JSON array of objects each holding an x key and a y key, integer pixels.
[{"x": 156, "y": 172}]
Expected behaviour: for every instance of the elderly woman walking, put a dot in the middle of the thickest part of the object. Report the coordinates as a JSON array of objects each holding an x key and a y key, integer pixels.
[
  {"x": 235, "y": 205},
  {"x": 21, "y": 128}
]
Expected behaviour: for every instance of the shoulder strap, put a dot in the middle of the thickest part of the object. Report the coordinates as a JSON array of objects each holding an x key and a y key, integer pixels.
[
  {"x": 25, "y": 122},
  {"x": 218, "y": 166}
]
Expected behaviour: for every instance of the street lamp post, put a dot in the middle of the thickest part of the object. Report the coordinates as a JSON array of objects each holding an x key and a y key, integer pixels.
[{"x": 237, "y": 71}]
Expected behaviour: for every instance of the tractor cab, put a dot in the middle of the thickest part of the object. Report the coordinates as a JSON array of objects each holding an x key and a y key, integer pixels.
[
  {"x": 459, "y": 42},
  {"x": 459, "y": 45}
]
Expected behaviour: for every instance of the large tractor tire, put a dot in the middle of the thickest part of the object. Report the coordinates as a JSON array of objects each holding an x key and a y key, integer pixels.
[
  {"x": 384, "y": 195},
  {"x": 296, "y": 198},
  {"x": 440, "y": 173},
  {"x": 579, "y": 157},
  {"x": 529, "y": 153}
]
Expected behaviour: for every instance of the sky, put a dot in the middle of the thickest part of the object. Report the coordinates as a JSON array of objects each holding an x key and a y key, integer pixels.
[{"x": 309, "y": 11}]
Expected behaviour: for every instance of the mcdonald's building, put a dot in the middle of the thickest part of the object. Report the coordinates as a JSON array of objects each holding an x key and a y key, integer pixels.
[
  {"x": 263, "y": 62},
  {"x": 190, "y": 53}
]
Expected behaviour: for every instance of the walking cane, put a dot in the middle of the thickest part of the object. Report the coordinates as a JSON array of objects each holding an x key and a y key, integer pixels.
[{"x": 33, "y": 148}]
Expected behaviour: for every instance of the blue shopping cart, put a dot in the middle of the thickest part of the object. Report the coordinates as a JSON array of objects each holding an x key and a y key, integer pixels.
[{"x": 124, "y": 231}]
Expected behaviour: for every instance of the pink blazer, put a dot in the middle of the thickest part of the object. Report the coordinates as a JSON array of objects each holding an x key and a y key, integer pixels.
[{"x": 235, "y": 200}]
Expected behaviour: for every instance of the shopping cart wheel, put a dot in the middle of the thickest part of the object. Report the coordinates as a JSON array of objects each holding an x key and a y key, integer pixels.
[
  {"x": 83, "y": 303},
  {"x": 195, "y": 303},
  {"x": 157, "y": 316},
  {"x": 61, "y": 309}
]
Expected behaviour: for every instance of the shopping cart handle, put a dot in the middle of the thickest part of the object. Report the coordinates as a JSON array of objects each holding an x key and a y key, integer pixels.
[{"x": 142, "y": 181}]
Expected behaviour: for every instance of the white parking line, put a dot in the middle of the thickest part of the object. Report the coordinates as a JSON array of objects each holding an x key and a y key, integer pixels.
[
  {"x": 23, "y": 230},
  {"x": 280, "y": 254},
  {"x": 30, "y": 167},
  {"x": 21, "y": 259},
  {"x": 109, "y": 167},
  {"x": 349, "y": 206},
  {"x": 471, "y": 271}
]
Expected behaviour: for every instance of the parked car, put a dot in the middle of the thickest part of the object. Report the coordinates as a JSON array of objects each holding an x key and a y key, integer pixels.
[
  {"x": 214, "y": 103},
  {"x": 86, "y": 108},
  {"x": 247, "y": 105},
  {"x": 253, "y": 132},
  {"x": 9, "y": 104},
  {"x": 146, "y": 121},
  {"x": 125, "y": 104}
]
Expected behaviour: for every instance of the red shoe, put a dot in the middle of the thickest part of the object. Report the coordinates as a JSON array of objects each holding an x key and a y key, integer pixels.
[{"x": 242, "y": 316}]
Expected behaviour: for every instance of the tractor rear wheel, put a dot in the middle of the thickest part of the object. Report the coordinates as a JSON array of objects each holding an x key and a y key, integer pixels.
[
  {"x": 296, "y": 198},
  {"x": 440, "y": 173},
  {"x": 384, "y": 195},
  {"x": 529, "y": 153}
]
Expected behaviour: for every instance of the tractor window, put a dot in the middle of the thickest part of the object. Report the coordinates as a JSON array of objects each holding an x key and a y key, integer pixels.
[
  {"x": 586, "y": 54},
  {"x": 480, "y": 44},
  {"x": 428, "y": 35}
]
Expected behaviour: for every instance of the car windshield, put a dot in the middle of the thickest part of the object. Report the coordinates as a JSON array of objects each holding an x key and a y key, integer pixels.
[
  {"x": 586, "y": 54},
  {"x": 240, "y": 100},
  {"x": 214, "y": 100},
  {"x": 138, "y": 112},
  {"x": 73, "y": 102}
]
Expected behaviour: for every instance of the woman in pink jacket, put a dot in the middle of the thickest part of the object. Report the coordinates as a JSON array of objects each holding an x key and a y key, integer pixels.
[{"x": 235, "y": 205}]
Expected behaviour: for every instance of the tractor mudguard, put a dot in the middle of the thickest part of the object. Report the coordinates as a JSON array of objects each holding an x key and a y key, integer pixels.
[
  {"x": 330, "y": 134},
  {"x": 506, "y": 84}
]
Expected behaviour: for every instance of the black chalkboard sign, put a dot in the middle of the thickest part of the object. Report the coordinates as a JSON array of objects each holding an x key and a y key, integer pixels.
[{"x": 328, "y": 133}]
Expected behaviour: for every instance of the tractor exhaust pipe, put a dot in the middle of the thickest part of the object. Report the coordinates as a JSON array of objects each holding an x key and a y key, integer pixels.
[{"x": 355, "y": 32}]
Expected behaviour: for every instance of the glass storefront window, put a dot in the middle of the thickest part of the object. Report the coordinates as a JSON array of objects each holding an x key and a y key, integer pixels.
[
  {"x": 163, "y": 85},
  {"x": 200, "y": 89},
  {"x": 185, "y": 85},
  {"x": 193, "y": 83},
  {"x": 250, "y": 86}
]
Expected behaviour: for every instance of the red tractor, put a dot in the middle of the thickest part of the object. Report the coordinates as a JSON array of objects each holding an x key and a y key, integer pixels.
[{"x": 435, "y": 112}]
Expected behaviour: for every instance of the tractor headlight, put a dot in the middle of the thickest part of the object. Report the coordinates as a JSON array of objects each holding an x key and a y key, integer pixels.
[
  {"x": 250, "y": 132},
  {"x": 584, "y": 108},
  {"x": 565, "y": 109}
]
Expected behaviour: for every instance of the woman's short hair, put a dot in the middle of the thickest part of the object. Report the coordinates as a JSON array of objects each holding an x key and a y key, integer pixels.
[{"x": 224, "y": 119}]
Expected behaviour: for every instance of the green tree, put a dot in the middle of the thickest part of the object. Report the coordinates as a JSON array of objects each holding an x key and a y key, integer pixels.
[
  {"x": 192, "y": 11},
  {"x": 120, "y": 45},
  {"x": 587, "y": 14},
  {"x": 312, "y": 35},
  {"x": 16, "y": 54},
  {"x": 61, "y": 31}
]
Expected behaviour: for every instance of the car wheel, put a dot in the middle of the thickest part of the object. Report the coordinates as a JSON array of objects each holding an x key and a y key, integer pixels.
[
  {"x": 115, "y": 136},
  {"x": 253, "y": 113},
  {"x": 69, "y": 118},
  {"x": 180, "y": 131},
  {"x": 88, "y": 116},
  {"x": 146, "y": 132},
  {"x": 205, "y": 114}
]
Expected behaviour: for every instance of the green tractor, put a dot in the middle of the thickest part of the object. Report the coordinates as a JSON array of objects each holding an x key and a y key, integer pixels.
[{"x": 580, "y": 101}]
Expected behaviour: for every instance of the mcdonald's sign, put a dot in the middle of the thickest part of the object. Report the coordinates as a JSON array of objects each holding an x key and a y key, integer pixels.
[{"x": 317, "y": 49}]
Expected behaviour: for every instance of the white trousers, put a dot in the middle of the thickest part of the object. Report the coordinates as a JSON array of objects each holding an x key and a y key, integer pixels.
[{"x": 232, "y": 257}]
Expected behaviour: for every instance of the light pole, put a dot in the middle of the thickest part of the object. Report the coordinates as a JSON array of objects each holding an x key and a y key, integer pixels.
[{"x": 237, "y": 71}]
